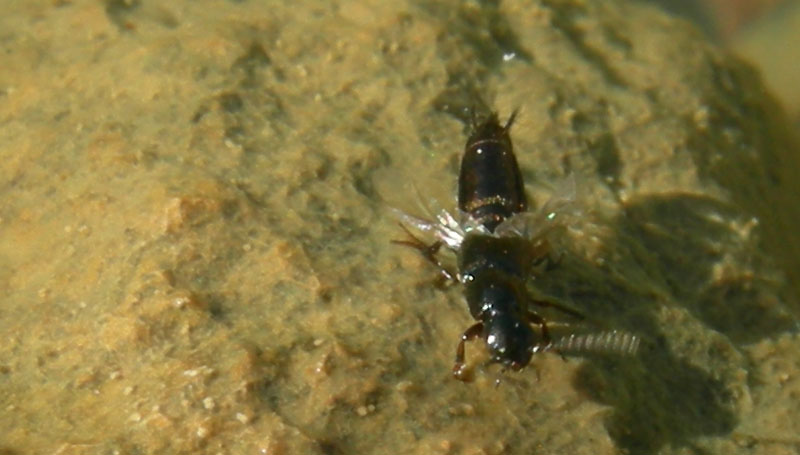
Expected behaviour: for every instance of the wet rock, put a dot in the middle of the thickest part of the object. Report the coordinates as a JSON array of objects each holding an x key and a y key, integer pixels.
[{"x": 201, "y": 191}]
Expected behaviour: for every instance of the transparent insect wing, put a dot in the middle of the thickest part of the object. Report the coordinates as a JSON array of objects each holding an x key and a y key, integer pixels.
[
  {"x": 417, "y": 223},
  {"x": 555, "y": 212},
  {"x": 470, "y": 224},
  {"x": 449, "y": 231},
  {"x": 444, "y": 228}
]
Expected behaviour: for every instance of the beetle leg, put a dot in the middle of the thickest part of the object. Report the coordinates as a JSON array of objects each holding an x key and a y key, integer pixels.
[
  {"x": 540, "y": 321},
  {"x": 545, "y": 303},
  {"x": 474, "y": 331},
  {"x": 546, "y": 340},
  {"x": 545, "y": 257},
  {"x": 427, "y": 251}
]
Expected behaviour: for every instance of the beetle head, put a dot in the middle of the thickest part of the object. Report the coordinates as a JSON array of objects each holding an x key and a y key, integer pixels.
[{"x": 510, "y": 340}]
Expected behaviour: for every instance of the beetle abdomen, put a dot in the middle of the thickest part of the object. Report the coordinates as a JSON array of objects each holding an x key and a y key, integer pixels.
[{"x": 490, "y": 186}]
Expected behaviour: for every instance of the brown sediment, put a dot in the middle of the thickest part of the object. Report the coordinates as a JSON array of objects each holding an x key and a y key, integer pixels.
[{"x": 194, "y": 234}]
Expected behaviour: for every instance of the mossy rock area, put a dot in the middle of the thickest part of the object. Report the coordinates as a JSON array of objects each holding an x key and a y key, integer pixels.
[{"x": 195, "y": 229}]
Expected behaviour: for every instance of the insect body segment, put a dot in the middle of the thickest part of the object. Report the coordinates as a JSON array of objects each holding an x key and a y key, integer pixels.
[
  {"x": 494, "y": 271},
  {"x": 490, "y": 187}
]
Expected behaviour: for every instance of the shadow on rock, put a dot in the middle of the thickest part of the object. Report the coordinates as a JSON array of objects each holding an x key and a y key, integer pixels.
[
  {"x": 658, "y": 400},
  {"x": 706, "y": 255},
  {"x": 693, "y": 255}
]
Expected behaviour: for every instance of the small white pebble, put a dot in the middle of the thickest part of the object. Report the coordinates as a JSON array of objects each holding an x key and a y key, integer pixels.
[
  {"x": 701, "y": 116},
  {"x": 127, "y": 390},
  {"x": 209, "y": 403},
  {"x": 242, "y": 417},
  {"x": 204, "y": 370},
  {"x": 362, "y": 411},
  {"x": 202, "y": 432}
]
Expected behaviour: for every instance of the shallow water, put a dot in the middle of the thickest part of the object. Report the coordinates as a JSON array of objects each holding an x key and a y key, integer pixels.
[{"x": 194, "y": 245}]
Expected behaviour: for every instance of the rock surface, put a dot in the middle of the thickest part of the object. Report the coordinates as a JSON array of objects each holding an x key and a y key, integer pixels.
[{"x": 194, "y": 234}]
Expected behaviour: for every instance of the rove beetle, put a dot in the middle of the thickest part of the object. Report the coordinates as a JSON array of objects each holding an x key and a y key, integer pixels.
[{"x": 498, "y": 245}]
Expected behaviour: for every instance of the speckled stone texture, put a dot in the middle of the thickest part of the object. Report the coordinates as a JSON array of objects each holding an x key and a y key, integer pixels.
[{"x": 194, "y": 229}]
